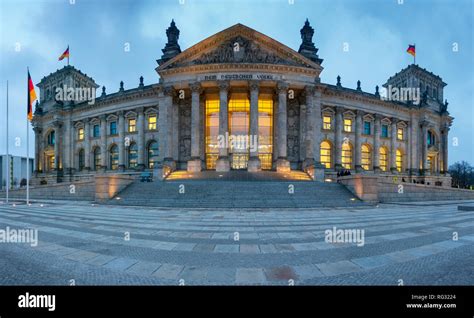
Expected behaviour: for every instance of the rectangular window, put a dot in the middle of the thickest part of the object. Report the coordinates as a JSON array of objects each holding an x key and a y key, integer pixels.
[
  {"x": 80, "y": 134},
  {"x": 384, "y": 131},
  {"x": 327, "y": 122},
  {"x": 132, "y": 125},
  {"x": 400, "y": 133},
  {"x": 96, "y": 131},
  {"x": 152, "y": 122},
  {"x": 347, "y": 125},
  {"x": 366, "y": 127},
  {"x": 113, "y": 128}
]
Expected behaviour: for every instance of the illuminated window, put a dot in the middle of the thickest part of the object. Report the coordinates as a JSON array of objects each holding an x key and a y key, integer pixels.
[
  {"x": 51, "y": 162},
  {"x": 399, "y": 161},
  {"x": 152, "y": 122},
  {"x": 383, "y": 159},
  {"x": 384, "y": 131},
  {"x": 114, "y": 155},
  {"x": 212, "y": 131},
  {"x": 346, "y": 156},
  {"x": 81, "y": 160},
  {"x": 366, "y": 157},
  {"x": 132, "y": 125},
  {"x": 153, "y": 153},
  {"x": 347, "y": 125},
  {"x": 400, "y": 133},
  {"x": 133, "y": 155},
  {"x": 265, "y": 131},
  {"x": 327, "y": 122},
  {"x": 239, "y": 125},
  {"x": 325, "y": 157},
  {"x": 97, "y": 158},
  {"x": 80, "y": 134}
]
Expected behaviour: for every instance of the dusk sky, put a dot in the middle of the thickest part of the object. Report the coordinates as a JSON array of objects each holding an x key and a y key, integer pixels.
[{"x": 35, "y": 33}]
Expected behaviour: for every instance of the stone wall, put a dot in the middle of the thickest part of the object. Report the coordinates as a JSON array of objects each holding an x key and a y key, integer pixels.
[
  {"x": 107, "y": 186},
  {"x": 80, "y": 190},
  {"x": 184, "y": 133},
  {"x": 372, "y": 188},
  {"x": 293, "y": 137}
]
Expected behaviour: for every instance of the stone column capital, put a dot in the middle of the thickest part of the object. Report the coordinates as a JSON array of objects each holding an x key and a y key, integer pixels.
[
  {"x": 309, "y": 90},
  {"x": 254, "y": 86},
  {"x": 394, "y": 120},
  {"x": 103, "y": 117},
  {"x": 37, "y": 130},
  {"x": 223, "y": 86},
  {"x": 120, "y": 113},
  {"x": 339, "y": 110},
  {"x": 360, "y": 113},
  {"x": 169, "y": 91},
  {"x": 379, "y": 117},
  {"x": 140, "y": 110},
  {"x": 282, "y": 87},
  {"x": 195, "y": 87}
]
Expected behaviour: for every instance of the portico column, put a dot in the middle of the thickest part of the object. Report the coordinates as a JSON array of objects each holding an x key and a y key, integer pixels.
[
  {"x": 338, "y": 139},
  {"x": 66, "y": 146},
  {"x": 166, "y": 132},
  {"x": 38, "y": 149},
  {"x": 223, "y": 163},
  {"x": 415, "y": 162},
  {"x": 376, "y": 150},
  {"x": 254, "y": 161},
  {"x": 141, "y": 139},
  {"x": 57, "y": 151},
  {"x": 121, "y": 144},
  {"x": 195, "y": 164},
  {"x": 444, "y": 133},
  {"x": 424, "y": 153},
  {"x": 310, "y": 128},
  {"x": 87, "y": 145},
  {"x": 103, "y": 142},
  {"x": 282, "y": 165},
  {"x": 318, "y": 122},
  {"x": 393, "y": 146},
  {"x": 358, "y": 133}
]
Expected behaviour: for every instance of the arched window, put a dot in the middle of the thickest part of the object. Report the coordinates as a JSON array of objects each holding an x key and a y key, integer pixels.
[
  {"x": 366, "y": 158},
  {"x": 399, "y": 160},
  {"x": 81, "y": 157},
  {"x": 153, "y": 153},
  {"x": 133, "y": 155},
  {"x": 346, "y": 155},
  {"x": 326, "y": 154},
  {"x": 383, "y": 159},
  {"x": 431, "y": 139},
  {"x": 97, "y": 158},
  {"x": 52, "y": 138},
  {"x": 114, "y": 155}
]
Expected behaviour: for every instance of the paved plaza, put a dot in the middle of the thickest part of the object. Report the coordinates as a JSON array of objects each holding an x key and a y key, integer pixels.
[{"x": 86, "y": 244}]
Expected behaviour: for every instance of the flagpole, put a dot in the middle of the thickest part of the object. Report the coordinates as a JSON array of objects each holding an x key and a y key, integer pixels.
[
  {"x": 7, "y": 181},
  {"x": 28, "y": 146},
  {"x": 414, "y": 56},
  {"x": 68, "y": 55}
]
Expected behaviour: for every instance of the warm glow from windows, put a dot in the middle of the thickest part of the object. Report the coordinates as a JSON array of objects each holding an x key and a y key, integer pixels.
[
  {"x": 114, "y": 156},
  {"x": 133, "y": 155},
  {"x": 132, "y": 125},
  {"x": 366, "y": 158},
  {"x": 400, "y": 133},
  {"x": 265, "y": 131},
  {"x": 383, "y": 159},
  {"x": 347, "y": 125},
  {"x": 212, "y": 131},
  {"x": 80, "y": 134},
  {"x": 239, "y": 125},
  {"x": 327, "y": 122},
  {"x": 346, "y": 156},
  {"x": 97, "y": 158},
  {"x": 153, "y": 153},
  {"x": 399, "y": 160},
  {"x": 325, "y": 157},
  {"x": 152, "y": 122}
]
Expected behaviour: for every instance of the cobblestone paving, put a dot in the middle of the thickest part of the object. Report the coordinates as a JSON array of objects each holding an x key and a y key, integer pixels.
[{"x": 95, "y": 245}]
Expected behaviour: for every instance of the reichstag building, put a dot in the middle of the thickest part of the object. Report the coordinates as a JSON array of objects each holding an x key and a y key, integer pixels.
[{"x": 242, "y": 83}]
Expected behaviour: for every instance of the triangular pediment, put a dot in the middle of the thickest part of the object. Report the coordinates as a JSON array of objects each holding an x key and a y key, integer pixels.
[{"x": 239, "y": 44}]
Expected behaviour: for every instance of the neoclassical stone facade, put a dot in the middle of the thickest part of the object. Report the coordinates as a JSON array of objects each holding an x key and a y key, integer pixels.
[{"x": 236, "y": 85}]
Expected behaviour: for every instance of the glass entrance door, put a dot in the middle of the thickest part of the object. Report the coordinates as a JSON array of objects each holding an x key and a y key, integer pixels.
[{"x": 239, "y": 125}]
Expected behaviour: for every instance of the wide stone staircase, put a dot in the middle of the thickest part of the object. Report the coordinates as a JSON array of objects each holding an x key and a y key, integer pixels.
[{"x": 237, "y": 190}]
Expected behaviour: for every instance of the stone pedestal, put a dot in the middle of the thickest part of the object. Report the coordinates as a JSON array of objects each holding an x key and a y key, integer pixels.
[
  {"x": 254, "y": 164},
  {"x": 308, "y": 163},
  {"x": 223, "y": 164},
  {"x": 195, "y": 165},
  {"x": 359, "y": 168},
  {"x": 283, "y": 165}
]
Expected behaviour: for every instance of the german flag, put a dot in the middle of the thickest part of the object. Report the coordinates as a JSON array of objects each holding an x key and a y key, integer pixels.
[
  {"x": 411, "y": 50},
  {"x": 65, "y": 54},
  {"x": 31, "y": 97}
]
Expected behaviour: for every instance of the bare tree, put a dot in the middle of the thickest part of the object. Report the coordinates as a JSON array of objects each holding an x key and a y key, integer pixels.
[{"x": 462, "y": 174}]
